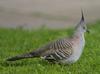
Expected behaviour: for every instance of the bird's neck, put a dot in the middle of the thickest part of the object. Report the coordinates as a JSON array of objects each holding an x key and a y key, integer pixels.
[{"x": 79, "y": 35}]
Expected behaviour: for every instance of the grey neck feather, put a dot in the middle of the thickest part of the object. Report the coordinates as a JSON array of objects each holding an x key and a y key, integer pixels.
[{"x": 78, "y": 32}]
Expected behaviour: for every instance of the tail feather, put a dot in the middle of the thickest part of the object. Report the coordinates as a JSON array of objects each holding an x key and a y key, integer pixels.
[
  {"x": 23, "y": 56},
  {"x": 14, "y": 58},
  {"x": 37, "y": 53}
]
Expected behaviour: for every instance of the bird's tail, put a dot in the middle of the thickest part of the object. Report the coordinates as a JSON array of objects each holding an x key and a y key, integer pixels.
[{"x": 23, "y": 56}]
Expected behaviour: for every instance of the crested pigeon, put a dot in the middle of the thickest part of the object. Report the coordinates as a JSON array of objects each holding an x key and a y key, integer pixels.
[{"x": 66, "y": 50}]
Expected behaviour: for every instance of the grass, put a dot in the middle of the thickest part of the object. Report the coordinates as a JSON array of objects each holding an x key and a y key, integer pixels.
[{"x": 17, "y": 41}]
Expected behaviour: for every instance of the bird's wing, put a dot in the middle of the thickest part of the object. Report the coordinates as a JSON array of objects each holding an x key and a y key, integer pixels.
[{"x": 57, "y": 50}]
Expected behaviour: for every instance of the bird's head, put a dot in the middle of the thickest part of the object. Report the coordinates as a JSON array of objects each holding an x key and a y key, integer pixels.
[{"x": 81, "y": 26}]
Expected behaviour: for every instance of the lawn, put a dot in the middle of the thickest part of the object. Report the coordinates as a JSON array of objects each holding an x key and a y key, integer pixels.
[{"x": 17, "y": 41}]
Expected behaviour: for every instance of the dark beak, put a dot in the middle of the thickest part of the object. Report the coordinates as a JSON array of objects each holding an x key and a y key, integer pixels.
[{"x": 88, "y": 31}]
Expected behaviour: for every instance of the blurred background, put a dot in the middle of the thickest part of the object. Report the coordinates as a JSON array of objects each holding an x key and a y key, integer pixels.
[{"x": 51, "y": 13}]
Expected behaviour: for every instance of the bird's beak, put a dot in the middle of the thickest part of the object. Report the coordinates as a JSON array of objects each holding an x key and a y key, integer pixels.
[{"x": 88, "y": 31}]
